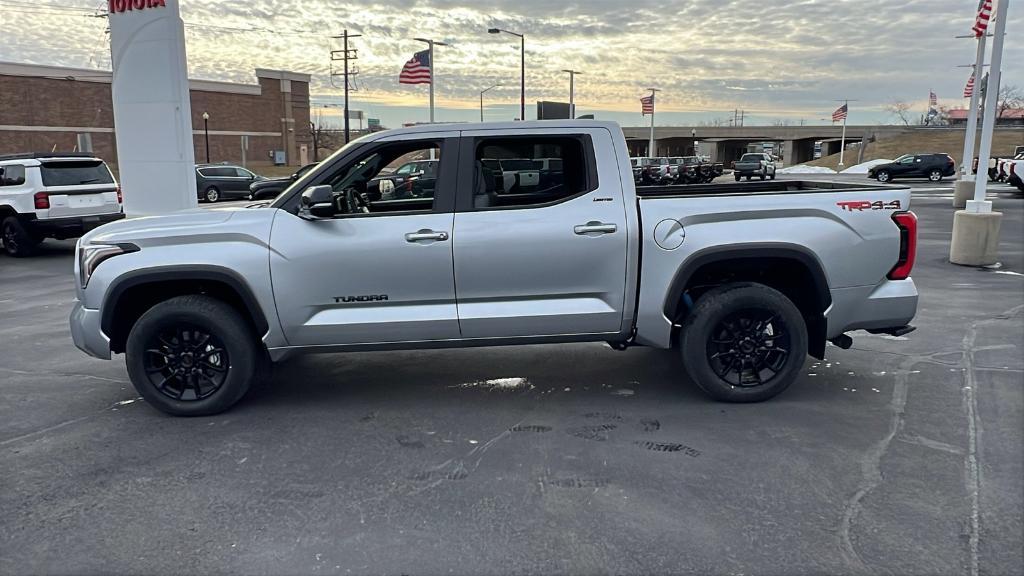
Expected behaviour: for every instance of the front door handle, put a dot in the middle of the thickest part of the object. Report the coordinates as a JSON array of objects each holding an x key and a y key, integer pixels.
[
  {"x": 595, "y": 228},
  {"x": 423, "y": 235}
]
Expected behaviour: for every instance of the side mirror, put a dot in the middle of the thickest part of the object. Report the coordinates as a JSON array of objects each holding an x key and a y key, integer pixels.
[{"x": 317, "y": 202}]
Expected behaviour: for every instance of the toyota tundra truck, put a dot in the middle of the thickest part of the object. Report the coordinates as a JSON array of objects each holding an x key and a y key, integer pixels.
[{"x": 744, "y": 280}]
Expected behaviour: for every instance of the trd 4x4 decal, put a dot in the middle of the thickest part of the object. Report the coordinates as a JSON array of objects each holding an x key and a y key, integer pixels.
[{"x": 862, "y": 205}]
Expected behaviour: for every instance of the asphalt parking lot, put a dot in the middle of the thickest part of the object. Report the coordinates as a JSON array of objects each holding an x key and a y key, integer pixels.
[{"x": 901, "y": 455}]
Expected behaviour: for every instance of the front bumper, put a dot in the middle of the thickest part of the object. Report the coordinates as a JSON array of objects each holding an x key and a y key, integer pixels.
[
  {"x": 87, "y": 333},
  {"x": 70, "y": 227},
  {"x": 891, "y": 304}
]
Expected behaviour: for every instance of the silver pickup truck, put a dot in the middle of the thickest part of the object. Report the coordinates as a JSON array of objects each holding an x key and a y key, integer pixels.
[{"x": 745, "y": 280}]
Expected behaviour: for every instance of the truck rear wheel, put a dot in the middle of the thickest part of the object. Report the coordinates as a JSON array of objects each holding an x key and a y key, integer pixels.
[
  {"x": 743, "y": 342},
  {"x": 192, "y": 356}
]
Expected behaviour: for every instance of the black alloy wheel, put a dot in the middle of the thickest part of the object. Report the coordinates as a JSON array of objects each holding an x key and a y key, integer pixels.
[
  {"x": 186, "y": 363},
  {"x": 749, "y": 347}
]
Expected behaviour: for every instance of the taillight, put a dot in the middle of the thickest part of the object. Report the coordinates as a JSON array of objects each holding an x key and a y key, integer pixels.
[
  {"x": 120, "y": 198},
  {"x": 907, "y": 223},
  {"x": 42, "y": 200}
]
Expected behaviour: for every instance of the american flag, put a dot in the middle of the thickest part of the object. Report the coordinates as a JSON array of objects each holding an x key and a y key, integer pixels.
[
  {"x": 417, "y": 69},
  {"x": 984, "y": 15},
  {"x": 647, "y": 105},
  {"x": 933, "y": 100},
  {"x": 840, "y": 113},
  {"x": 969, "y": 89}
]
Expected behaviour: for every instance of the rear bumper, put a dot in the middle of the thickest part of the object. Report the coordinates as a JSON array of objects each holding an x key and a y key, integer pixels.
[
  {"x": 87, "y": 333},
  {"x": 891, "y": 304},
  {"x": 70, "y": 227}
]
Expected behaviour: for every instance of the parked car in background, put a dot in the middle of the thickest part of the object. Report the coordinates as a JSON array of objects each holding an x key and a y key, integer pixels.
[
  {"x": 270, "y": 187},
  {"x": 934, "y": 167},
  {"x": 759, "y": 164},
  {"x": 53, "y": 195},
  {"x": 648, "y": 171},
  {"x": 216, "y": 182},
  {"x": 1015, "y": 172}
]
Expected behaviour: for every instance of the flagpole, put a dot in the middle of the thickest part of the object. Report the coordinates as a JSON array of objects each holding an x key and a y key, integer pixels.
[
  {"x": 972, "y": 115},
  {"x": 842, "y": 141},
  {"x": 651, "y": 153},
  {"x": 995, "y": 73}
]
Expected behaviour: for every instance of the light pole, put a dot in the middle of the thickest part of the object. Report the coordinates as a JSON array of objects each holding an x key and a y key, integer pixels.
[
  {"x": 433, "y": 71},
  {"x": 482, "y": 92},
  {"x": 572, "y": 104},
  {"x": 206, "y": 133},
  {"x": 522, "y": 68},
  {"x": 696, "y": 149}
]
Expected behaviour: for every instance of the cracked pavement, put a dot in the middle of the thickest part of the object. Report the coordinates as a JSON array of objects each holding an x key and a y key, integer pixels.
[{"x": 901, "y": 455}]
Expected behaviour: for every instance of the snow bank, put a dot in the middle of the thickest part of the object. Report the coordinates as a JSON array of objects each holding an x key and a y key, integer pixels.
[
  {"x": 863, "y": 167},
  {"x": 802, "y": 169}
]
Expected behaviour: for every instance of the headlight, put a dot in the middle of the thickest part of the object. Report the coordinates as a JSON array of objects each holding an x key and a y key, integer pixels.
[{"x": 91, "y": 255}]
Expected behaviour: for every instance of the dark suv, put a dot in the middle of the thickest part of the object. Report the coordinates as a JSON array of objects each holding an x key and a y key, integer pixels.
[
  {"x": 216, "y": 182},
  {"x": 931, "y": 166}
]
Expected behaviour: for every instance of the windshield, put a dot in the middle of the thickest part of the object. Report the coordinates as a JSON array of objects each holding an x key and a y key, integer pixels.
[
  {"x": 904, "y": 157},
  {"x": 751, "y": 158},
  {"x": 75, "y": 173}
]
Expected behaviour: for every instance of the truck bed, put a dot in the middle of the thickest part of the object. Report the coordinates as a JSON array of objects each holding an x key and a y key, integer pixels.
[{"x": 758, "y": 188}]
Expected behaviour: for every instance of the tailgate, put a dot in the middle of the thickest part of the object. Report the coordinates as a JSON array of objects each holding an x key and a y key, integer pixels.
[{"x": 79, "y": 187}]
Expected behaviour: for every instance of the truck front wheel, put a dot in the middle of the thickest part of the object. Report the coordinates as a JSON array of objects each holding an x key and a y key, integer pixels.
[
  {"x": 192, "y": 356},
  {"x": 743, "y": 342}
]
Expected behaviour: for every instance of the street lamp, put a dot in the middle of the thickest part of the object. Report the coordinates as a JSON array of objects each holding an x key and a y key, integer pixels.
[
  {"x": 696, "y": 149},
  {"x": 522, "y": 68},
  {"x": 482, "y": 92},
  {"x": 572, "y": 103},
  {"x": 206, "y": 133}
]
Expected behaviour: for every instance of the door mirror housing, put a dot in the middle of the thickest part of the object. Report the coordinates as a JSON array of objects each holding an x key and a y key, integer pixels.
[{"x": 317, "y": 202}]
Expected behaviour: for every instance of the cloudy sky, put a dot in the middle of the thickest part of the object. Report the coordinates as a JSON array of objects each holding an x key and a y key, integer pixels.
[{"x": 778, "y": 60}]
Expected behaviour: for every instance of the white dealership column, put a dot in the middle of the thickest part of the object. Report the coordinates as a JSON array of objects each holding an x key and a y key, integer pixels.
[
  {"x": 976, "y": 229},
  {"x": 152, "y": 112},
  {"x": 963, "y": 189}
]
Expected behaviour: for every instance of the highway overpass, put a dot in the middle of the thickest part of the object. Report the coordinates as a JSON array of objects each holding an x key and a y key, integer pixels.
[{"x": 727, "y": 143}]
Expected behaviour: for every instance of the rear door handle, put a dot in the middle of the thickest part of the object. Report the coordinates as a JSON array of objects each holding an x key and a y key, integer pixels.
[
  {"x": 595, "y": 228},
  {"x": 424, "y": 235}
]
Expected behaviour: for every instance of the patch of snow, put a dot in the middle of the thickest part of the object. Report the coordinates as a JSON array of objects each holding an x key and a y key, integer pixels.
[
  {"x": 863, "y": 167},
  {"x": 502, "y": 384},
  {"x": 802, "y": 169},
  {"x": 1009, "y": 272}
]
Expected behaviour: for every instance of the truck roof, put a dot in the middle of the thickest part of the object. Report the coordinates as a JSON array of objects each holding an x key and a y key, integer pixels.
[{"x": 530, "y": 124}]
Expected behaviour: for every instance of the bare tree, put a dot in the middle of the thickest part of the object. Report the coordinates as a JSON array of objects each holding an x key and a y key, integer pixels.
[
  {"x": 899, "y": 109},
  {"x": 1010, "y": 98}
]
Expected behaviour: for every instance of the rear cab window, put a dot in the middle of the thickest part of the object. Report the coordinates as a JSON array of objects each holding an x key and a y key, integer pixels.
[{"x": 75, "y": 173}]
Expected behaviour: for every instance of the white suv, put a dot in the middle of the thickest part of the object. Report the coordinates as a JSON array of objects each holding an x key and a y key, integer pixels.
[{"x": 53, "y": 195}]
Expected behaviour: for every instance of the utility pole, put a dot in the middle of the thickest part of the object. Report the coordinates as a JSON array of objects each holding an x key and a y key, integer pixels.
[{"x": 344, "y": 55}]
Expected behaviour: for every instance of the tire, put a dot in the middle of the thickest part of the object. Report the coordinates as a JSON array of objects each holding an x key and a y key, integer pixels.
[
  {"x": 935, "y": 176},
  {"x": 738, "y": 177},
  {"x": 748, "y": 178},
  {"x": 211, "y": 194},
  {"x": 763, "y": 175},
  {"x": 218, "y": 371},
  {"x": 883, "y": 176},
  {"x": 772, "y": 177},
  {"x": 705, "y": 340},
  {"x": 17, "y": 241}
]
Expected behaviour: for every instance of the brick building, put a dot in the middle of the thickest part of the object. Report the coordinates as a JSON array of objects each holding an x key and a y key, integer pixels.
[{"x": 47, "y": 107}]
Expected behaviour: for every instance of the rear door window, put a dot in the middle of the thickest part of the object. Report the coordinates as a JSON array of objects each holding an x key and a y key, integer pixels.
[
  {"x": 77, "y": 173},
  {"x": 530, "y": 171}
]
